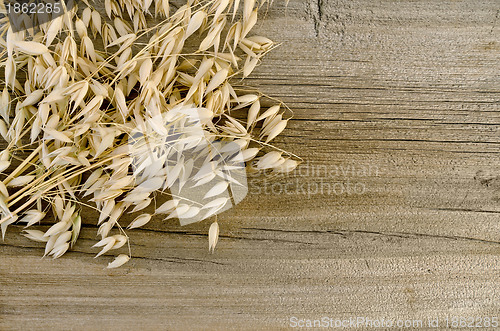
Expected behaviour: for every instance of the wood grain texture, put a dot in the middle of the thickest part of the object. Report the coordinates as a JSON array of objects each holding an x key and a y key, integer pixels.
[{"x": 393, "y": 214}]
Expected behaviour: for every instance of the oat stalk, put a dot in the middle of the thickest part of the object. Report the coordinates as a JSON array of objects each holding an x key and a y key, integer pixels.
[{"x": 116, "y": 111}]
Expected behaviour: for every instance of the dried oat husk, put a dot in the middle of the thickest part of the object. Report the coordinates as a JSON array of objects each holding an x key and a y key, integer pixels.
[{"x": 85, "y": 94}]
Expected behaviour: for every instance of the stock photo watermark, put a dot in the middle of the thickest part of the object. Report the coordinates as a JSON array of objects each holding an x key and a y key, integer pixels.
[
  {"x": 28, "y": 14},
  {"x": 447, "y": 322},
  {"x": 310, "y": 180}
]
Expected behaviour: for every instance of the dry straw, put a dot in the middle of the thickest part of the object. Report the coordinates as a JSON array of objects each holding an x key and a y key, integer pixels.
[{"x": 75, "y": 91}]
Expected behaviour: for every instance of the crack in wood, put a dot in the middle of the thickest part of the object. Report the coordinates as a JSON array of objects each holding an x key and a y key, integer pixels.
[
  {"x": 173, "y": 259},
  {"x": 404, "y": 235},
  {"x": 319, "y": 17},
  {"x": 327, "y": 21}
]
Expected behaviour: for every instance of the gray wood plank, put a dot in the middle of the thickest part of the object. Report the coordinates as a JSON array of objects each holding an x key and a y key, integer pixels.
[{"x": 399, "y": 100}]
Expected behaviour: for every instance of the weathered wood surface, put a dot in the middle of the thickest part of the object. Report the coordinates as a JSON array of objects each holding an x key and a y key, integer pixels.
[{"x": 406, "y": 93}]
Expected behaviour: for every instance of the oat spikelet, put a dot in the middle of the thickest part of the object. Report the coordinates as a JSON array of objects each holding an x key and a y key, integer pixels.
[
  {"x": 118, "y": 261},
  {"x": 213, "y": 236}
]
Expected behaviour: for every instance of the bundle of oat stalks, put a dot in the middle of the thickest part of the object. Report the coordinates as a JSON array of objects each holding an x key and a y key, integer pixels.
[{"x": 113, "y": 113}]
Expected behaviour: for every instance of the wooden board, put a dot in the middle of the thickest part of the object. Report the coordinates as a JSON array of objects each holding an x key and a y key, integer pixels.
[{"x": 394, "y": 214}]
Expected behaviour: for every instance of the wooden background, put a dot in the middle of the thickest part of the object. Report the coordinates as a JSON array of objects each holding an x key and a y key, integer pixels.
[{"x": 397, "y": 112}]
